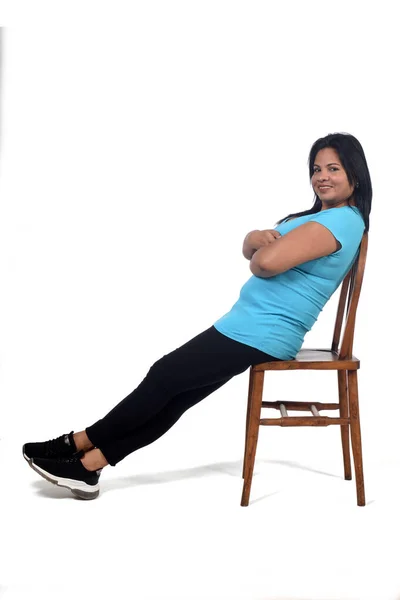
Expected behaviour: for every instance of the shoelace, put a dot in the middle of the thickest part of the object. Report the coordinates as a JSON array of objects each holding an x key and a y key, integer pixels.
[{"x": 56, "y": 446}]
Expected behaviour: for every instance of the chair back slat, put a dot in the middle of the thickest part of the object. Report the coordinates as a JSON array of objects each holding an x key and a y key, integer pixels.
[
  {"x": 340, "y": 312},
  {"x": 350, "y": 294}
]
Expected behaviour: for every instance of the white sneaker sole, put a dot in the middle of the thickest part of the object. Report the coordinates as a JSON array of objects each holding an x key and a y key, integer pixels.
[{"x": 78, "y": 488}]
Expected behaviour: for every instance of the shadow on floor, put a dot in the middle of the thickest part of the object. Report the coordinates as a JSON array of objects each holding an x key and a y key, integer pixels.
[{"x": 233, "y": 469}]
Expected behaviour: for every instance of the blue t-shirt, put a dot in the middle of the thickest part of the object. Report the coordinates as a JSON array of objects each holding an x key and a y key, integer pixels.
[{"x": 274, "y": 314}]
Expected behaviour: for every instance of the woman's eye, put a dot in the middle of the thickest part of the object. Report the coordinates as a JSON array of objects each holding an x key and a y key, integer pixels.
[{"x": 334, "y": 168}]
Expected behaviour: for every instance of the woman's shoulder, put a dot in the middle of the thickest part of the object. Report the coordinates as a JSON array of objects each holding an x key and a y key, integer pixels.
[{"x": 337, "y": 212}]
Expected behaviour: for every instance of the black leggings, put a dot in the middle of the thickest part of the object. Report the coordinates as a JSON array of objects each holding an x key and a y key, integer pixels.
[{"x": 173, "y": 384}]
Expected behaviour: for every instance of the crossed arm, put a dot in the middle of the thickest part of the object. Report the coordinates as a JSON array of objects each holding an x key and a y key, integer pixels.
[{"x": 270, "y": 255}]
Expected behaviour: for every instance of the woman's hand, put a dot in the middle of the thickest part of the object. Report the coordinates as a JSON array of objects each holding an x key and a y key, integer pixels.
[
  {"x": 257, "y": 239},
  {"x": 267, "y": 236}
]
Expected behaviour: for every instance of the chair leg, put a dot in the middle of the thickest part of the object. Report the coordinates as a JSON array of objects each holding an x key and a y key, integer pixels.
[
  {"x": 252, "y": 434},
  {"x": 344, "y": 429},
  {"x": 355, "y": 430},
  {"x": 249, "y": 396}
]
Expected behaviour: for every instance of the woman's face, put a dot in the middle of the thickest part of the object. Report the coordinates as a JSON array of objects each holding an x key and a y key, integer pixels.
[{"x": 329, "y": 171}]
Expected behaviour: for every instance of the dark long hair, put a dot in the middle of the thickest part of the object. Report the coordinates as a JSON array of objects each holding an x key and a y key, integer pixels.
[{"x": 354, "y": 163}]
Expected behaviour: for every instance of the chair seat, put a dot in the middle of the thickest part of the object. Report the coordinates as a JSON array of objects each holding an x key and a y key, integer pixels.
[{"x": 318, "y": 359}]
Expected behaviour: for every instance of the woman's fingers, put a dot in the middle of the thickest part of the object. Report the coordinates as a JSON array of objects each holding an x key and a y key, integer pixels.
[
  {"x": 270, "y": 235},
  {"x": 275, "y": 233}
]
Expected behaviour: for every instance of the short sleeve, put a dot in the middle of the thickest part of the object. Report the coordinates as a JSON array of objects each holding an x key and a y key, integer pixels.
[{"x": 347, "y": 226}]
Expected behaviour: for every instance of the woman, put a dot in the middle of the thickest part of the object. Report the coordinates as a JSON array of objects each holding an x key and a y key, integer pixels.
[{"x": 295, "y": 267}]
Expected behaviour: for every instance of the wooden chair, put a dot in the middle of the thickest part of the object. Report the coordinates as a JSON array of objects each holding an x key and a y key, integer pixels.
[{"x": 340, "y": 360}]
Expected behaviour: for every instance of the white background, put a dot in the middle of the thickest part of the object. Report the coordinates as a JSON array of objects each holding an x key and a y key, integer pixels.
[{"x": 140, "y": 142}]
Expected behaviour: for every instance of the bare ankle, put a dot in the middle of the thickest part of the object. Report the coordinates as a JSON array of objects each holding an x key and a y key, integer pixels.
[
  {"x": 94, "y": 460},
  {"x": 82, "y": 441}
]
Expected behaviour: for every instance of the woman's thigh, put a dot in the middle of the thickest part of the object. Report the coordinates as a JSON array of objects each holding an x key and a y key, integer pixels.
[{"x": 205, "y": 360}]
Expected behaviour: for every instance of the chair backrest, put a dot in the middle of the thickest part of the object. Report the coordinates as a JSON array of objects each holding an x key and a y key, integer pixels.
[{"x": 349, "y": 294}]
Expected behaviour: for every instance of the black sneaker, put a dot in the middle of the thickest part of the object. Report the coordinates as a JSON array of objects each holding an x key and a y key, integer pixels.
[
  {"x": 69, "y": 473},
  {"x": 61, "y": 447}
]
